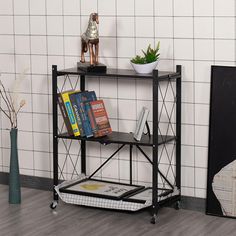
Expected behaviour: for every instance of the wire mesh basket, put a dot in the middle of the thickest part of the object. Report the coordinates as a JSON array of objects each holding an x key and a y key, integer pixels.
[{"x": 133, "y": 202}]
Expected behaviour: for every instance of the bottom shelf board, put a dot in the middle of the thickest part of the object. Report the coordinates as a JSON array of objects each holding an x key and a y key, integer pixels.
[{"x": 135, "y": 197}]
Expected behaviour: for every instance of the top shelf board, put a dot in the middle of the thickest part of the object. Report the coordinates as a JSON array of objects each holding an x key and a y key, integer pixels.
[{"x": 120, "y": 73}]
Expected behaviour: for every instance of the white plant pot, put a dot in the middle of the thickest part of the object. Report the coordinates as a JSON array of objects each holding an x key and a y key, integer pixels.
[{"x": 144, "y": 68}]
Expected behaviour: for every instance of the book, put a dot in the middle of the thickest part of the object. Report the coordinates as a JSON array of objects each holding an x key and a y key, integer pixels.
[
  {"x": 65, "y": 115},
  {"x": 101, "y": 118},
  {"x": 80, "y": 100},
  {"x": 88, "y": 110},
  {"x": 141, "y": 123},
  {"x": 66, "y": 99},
  {"x": 77, "y": 114},
  {"x": 89, "y": 96}
]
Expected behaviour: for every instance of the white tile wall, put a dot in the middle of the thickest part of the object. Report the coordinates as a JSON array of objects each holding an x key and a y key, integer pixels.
[
  {"x": 6, "y": 7},
  {"x": 37, "y": 7},
  {"x": 37, "y": 34},
  {"x": 222, "y": 9},
  {"x": 203, "y": 27},
  {"x": 203, "y": 7},
  {"x": 71, "y": 7},
  {"x": 38, "y": 25},
  {"x": 187, "y": 24}
]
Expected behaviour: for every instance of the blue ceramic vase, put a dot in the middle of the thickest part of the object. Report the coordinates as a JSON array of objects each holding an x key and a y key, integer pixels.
[{"x": 14, "y": 175}]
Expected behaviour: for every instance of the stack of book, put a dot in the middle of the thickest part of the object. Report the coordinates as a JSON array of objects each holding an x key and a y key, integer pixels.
[{"x": 83, "y": 114}]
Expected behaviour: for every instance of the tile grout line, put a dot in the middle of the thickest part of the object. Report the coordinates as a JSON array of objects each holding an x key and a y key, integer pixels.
[
  {"x": 48, "y": 74},
  {"x": 63, "y": 41},
  {"x": 31, "y": 77},
  {"x": 99, "y": 81},
  {"x": 194, "y": 109}
]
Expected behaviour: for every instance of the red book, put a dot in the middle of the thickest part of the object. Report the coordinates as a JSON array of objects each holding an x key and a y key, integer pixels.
[{"x": 101, "y": 118}]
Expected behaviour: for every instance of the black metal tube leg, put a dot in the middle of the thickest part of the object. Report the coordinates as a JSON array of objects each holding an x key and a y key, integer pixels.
[
  {"x": 130, "y": 164},
  {"x": 178, "y": 129},
  {"x": 155, "y": 147},
  {"x": 83, "y": 142},
  {"x": 83, "y": 157},
  {"x": 55, "y": 126}
]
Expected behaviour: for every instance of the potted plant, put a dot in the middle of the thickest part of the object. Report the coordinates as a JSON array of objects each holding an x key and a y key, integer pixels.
[{"x": 147, "y": 63}]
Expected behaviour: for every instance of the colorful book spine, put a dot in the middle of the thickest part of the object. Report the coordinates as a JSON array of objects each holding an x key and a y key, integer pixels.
[
  {"x": 80, "y": 98},
  {"x": 64, "y": 115},
  {"x": 77, "y": 115},
  {"x": 70, "y": 113},
  {"x": 91, "y": 96},
  {"x": 88, "y": 96},
  {"x": 101, "y": 118},
  {"x": 91, "y": 118}
]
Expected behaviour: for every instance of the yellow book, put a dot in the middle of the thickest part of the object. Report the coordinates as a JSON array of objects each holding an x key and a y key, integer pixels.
[{"x": 70, "y": 112}]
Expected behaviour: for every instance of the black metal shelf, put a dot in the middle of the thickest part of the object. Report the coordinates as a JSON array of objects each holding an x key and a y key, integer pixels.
[
  {"x": 121, "y": 73},
  {"x": 122, "y": 138},
  {"x": 157, "y": 141}
]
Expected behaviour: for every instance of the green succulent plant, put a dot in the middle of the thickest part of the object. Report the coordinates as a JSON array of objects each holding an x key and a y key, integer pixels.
[
  {"x": 138, "y": 60},
  {"x": 150, "y": 55}
]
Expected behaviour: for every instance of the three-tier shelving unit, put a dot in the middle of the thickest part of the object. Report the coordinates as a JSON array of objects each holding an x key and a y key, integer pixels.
[{"x": 170, "y": 191}]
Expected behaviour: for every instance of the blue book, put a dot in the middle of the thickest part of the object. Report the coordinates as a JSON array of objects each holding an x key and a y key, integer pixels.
[
  {"x": 80, "y": 99},
  {"x": 77, "y": 115},
  {"x": 88, "y": 96}
]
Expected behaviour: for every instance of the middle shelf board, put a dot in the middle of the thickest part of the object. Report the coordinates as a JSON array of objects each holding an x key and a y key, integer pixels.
[{"x": 123, "y": 138}]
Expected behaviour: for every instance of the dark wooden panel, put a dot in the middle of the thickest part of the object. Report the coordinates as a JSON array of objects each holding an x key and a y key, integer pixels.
[{"x": 222, "y": 140}]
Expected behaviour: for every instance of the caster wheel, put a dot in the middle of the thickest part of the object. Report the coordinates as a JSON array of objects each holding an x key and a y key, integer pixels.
[
  {"x": 177, "y": 205},
  {"x": 53, "y": 205},
  {"x": 153, "y": 220}
]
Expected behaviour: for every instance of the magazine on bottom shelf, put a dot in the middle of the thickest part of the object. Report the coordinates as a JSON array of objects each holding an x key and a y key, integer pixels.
[
  {"x": 145, "y": 195},
  {"x": 101, "y": 188}
]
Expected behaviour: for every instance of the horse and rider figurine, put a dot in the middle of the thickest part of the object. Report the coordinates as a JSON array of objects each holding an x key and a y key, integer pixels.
[{"x": 90, "y": 40}]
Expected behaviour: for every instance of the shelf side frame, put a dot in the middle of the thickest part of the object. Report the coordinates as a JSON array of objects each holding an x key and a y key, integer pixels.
[
  {"x": 83, "y": 142},
  {"x": 55, "y": 131},
  {"x": 155, "y": 143},
  {"x": 178, "y": 128}
]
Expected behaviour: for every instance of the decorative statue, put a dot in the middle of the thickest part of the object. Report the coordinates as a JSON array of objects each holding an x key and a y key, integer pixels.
[{"x": 90, "y": 40}]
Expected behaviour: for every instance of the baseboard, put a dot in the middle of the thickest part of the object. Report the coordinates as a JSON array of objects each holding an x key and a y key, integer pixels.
[
  {"x": 189, "y": 203},
  {"x": 193, "y": 203},
  {"x": 29, "y": 181}
]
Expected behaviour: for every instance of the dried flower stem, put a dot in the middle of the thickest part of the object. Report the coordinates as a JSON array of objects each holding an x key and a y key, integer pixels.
[
  {"x": 8, "y": 100},
  {"x": 4, "y": 99}
]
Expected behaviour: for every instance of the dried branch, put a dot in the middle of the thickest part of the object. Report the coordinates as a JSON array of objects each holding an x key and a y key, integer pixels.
[
  {"x": 4, "y": 99},
  {"x": 22, "y": 103},
  {"x": 6, "y": 96},
  {"x": 7, "y": 116},
  {"x": 11, "y": 100}
]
